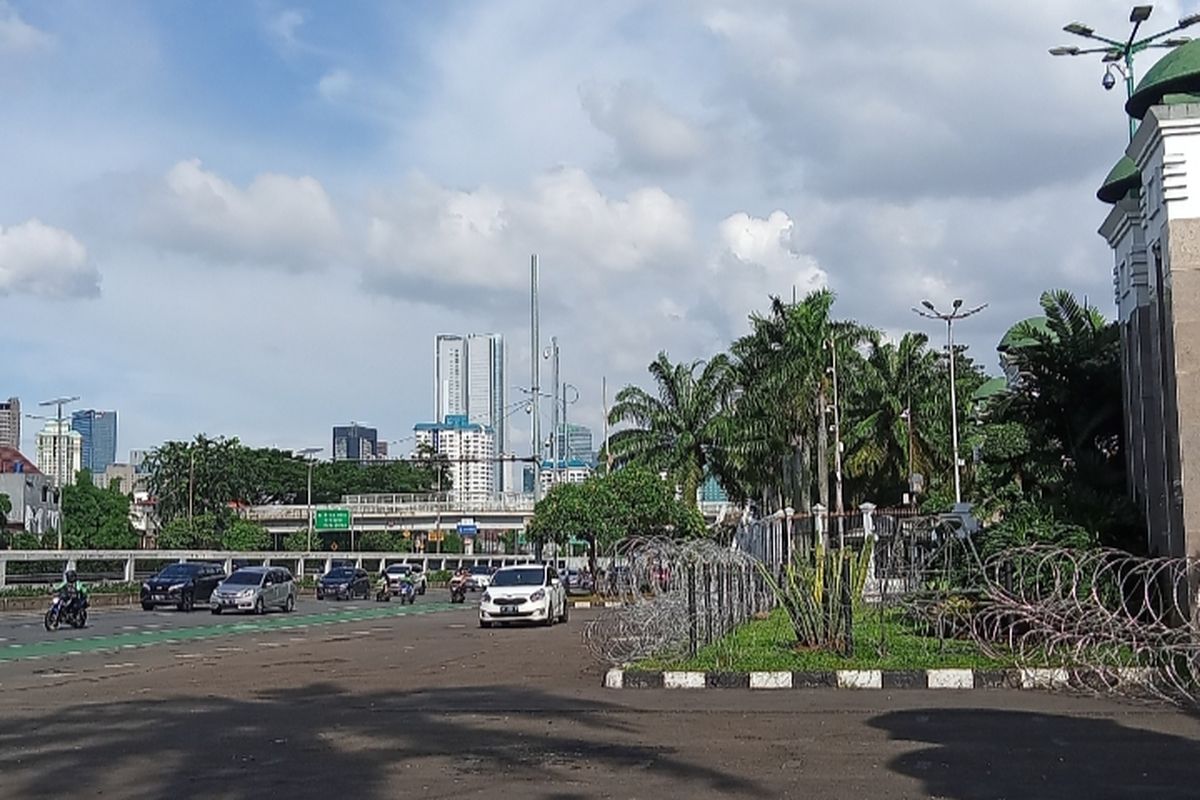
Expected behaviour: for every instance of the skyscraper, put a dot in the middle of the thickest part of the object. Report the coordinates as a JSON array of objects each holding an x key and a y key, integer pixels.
[
  {"x": 449, "y": 376},
  {"x": 354, "y": 442},
  {"x": 10, "y": 423},
  {"x": 59, "y": 452},
  {"x": 577, "y": 443},
  {"x": 99, "y": 432},
  {"x": 469, "y": 450},
  {"x": 469, "y": 380}
]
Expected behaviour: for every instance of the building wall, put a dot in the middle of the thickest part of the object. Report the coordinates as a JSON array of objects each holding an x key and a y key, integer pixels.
[
  {"x": 354, "y": 442},
  {"x": 449, "y": 376},
  {"x": 469, "y": 450},
  {"x": 10, "y": 423},
  {"x": 34, "y": 502},
  {"x": 59, "y": 452},
  {"x": 99, "y": 432}
]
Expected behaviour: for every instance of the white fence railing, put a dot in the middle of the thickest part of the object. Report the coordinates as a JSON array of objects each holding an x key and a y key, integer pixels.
[{"x": 130, "y": 565}]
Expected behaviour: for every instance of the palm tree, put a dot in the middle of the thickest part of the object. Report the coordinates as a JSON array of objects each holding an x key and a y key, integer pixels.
[
  {"x": 888, "y": 399},
  {"x": 673, "y": 432}
]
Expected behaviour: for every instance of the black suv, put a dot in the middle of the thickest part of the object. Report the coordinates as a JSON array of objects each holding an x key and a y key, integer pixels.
[
  {"x": 344, "y": 582},
  {"x": 182, "y": 585}
]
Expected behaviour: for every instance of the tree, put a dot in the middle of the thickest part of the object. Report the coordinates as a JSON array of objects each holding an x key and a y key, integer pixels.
[
  {"x": 243, "y": 535},
  {"x": 5, "y": 510},
  {"x": 200, "y": 533},
  {"x": 96, "y": 518},
  {"x": 675, "y": 430}
]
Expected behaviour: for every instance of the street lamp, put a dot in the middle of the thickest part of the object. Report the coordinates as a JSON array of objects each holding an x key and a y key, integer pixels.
[
  {"x": 949, "y": 319},
  {"x": 60, "y": 466},
  {"x": 308, "y": 453},
  {"x": 1118, "y": 55}
]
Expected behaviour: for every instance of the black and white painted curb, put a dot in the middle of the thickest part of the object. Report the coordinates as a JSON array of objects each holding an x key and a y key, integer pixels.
[
  {"x": 866, "y": 679},
  {"x": 596, "y": 604}
]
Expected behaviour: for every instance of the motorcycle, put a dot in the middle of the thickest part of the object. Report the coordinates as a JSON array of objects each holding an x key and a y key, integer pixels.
[
  {"x": 458, "y": 590},
  {"x": 408, "y": 594},
  {"x": 66, "y": 607},
  {"x": 382, "y": 593}
]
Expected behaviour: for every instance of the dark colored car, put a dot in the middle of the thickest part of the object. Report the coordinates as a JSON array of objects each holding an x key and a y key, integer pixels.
[
  {"x": 182, "y": 585},
  {"x": 344, "y": 583}
]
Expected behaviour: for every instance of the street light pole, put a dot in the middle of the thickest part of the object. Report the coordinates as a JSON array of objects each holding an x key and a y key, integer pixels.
[
  {"x": 308, "y": 453},
  {"x": 949, "y": 318},
  {"x": 1119, "y": 54},
  {"x": 60, "y": 466}
]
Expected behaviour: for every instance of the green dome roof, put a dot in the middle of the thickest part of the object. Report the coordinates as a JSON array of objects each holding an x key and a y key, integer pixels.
[
  {"x": 1124, "y": 176},
  {"x": 1176, "y": 72},
  {"x": 1014, "y": 338},
  {"x": 990, "y": 388}
]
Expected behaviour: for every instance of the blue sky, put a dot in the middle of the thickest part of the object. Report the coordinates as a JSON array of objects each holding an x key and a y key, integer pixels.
[{"x": 251, "y": 218}]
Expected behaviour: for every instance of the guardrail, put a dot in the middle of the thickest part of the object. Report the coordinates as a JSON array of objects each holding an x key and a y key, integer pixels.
[{"x": 33, "y": 567}]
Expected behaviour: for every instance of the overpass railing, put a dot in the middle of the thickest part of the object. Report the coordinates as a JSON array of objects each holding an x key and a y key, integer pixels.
[{"x": 34, "y": 567}]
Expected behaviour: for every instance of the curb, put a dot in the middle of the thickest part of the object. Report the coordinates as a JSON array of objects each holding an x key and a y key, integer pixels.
[
  {"x": 590, "y": 604},
  {"x": 949, "y": 679},
  {"x": 39, "y": 603}
]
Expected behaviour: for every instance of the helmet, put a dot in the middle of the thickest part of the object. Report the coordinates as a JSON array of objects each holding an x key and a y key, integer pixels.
[{"x": 71, "y": 577}]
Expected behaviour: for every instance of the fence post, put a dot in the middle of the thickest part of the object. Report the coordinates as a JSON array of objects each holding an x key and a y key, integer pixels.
[
  {"x": 741, "y": 580},
  {"x": 708, "y": 626},
  {"x": 691, "y": 599},
  {"x": 128, "y": 571},
  {"x": 847, "y": 606}
]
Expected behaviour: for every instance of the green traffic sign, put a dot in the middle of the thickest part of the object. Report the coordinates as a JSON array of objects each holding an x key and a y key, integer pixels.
[{"x": 332, "y": 519}]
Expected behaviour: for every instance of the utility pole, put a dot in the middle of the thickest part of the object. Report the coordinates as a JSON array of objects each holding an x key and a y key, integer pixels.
[
  {"x": 60, "y": 463},
  {"x": 932, "y": 313},
  {"x": 535, "y": 351},
  {"x": 839, "y": 506},
  {"x": 308, "y": 453},
  {"x": 555, "y": 417},
  {"x": 191, "y": 482},
  {"x": 604, "y": 402}
]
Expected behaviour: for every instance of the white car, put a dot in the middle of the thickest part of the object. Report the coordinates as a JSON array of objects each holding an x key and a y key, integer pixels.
[
  {"x": 479, "y": 577},
  {"x": 529, "y": 593},
  {"x": 393, "y": 572}
]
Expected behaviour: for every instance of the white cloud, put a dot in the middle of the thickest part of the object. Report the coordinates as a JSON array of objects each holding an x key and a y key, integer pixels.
[
  {"x": 277, "y": 219},
  {"x": 284, "y": 25},
  {"x": 648, "y": 136},
  {"x": 38, "y": 259},
  {"x": 482, "y": 239},
  {"x": 17, "y": 36},
  {"x": 334, "y": 84}
]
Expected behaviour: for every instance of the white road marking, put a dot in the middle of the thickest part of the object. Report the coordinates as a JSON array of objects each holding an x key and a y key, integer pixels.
[{"x": 122, "y": 665}]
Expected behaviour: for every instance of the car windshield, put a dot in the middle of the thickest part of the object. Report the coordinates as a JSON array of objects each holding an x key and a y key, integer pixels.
[
  {"x": 481, "y": 570},
  {"x": 398, "y": 569},
  {"x": 244, "y": 578},
  {"x": 340, "y": 574},
  {"x": 519, "y": 577},
  {"x": 179, "y": 571}
]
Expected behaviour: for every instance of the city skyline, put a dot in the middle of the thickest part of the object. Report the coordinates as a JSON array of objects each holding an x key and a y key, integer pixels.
[{"x": 672, "y": 181}]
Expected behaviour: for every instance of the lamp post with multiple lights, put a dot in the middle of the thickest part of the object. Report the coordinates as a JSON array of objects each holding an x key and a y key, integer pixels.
[
  {"x": 949, "y": 318},
  {"x": 308, "y": 453},
  {"x": 1119, "y": 54}
]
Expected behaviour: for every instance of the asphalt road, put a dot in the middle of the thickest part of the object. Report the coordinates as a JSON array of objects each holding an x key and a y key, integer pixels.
[{"x": 427, "y": 705}]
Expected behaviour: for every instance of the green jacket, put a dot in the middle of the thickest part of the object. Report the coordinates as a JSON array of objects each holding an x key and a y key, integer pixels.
[{"x": 79, "y": 587}]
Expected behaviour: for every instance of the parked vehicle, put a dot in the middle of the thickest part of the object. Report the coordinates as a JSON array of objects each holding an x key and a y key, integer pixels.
[
  {"x": 255, "y": 589},
  {"x": 394, "y": 572},
  {"x": 68, "y": 606},
  {"x": 181, "y": 585},
  {"x": 481, "y": 577},
  {"x": 531, "y": 593},
  {"x": 344, "y": 583}
]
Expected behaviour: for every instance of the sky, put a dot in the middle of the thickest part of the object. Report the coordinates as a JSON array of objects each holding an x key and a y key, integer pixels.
[{"x": 252, "y": 218}]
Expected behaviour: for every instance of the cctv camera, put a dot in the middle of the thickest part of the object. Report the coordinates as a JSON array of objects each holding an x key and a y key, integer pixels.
[{"x": 1108, "y": 81}]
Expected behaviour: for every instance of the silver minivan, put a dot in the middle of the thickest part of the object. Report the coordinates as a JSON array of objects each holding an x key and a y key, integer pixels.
[{"x": 255, "y": 589}]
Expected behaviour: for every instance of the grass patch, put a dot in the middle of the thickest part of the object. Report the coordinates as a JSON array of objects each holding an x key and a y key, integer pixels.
[{"x": 769, "y": 645}]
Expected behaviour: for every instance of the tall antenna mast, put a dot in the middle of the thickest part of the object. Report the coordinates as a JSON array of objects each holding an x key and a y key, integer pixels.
[{"x": 535, "y": 358}]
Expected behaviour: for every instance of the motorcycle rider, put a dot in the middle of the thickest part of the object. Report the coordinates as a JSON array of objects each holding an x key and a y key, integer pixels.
[{"x": 74, "y": 590}]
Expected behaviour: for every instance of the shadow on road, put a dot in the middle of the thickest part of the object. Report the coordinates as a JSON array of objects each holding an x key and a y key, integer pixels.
[
  {"x": 984, "y": 754},
  {"x": 319, "y": 741}
]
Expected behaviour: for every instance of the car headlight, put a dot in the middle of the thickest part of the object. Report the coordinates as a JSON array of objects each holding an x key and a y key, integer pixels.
[
  {"x": 487, "y": 598},
  {"x": 175, "y": 587},
  {"x": 146, "y": 586},
  {"x": 538, "y": 596},
  {"x": 245, "y": 593}
]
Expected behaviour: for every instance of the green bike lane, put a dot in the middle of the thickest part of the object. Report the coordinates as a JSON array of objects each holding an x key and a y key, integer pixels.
[{"x": 130, "y": 640}]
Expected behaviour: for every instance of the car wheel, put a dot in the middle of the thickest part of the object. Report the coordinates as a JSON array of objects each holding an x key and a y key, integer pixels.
[
  {"x": 216, "y": 609},
  {"x": 290, "y": 605},
  {"x": 186, "y": 602},
  {"x": 566, "y": 612},
  {"x": 259, "y": 608},
  {"x": 147, "y": 606},
  {"x": 422, "y": 591},
  {"x": 484, "y": 624}
]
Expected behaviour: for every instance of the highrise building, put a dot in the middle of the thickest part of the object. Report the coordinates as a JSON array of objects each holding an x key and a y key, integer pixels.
[
  {"x": 354, "y": 442},
  {"x": 469, "y": 450},
  {"x": 10, "y": 423},
  {"x": 449, "y": 376},
  {"x": 469, "y": 380},
  {"x": 577, "y": 443},
  {"x": 59, "y": 452},
  {"x": 99, "y": 432}
]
